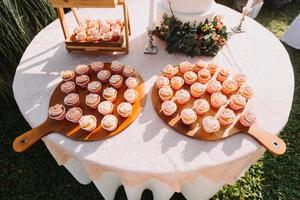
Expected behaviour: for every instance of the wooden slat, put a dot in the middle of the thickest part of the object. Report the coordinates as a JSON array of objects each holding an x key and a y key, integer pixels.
[{"x": 84, "y": 3}]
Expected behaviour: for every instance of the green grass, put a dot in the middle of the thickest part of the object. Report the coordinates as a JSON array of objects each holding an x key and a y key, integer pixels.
[{"x": 35, "y": 174}]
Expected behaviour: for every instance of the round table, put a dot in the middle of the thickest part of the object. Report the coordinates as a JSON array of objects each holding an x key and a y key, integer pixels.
[{"x": 149, "y": 154}]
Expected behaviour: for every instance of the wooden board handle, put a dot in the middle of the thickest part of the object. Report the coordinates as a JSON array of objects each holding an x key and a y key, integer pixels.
[
  {"x": 271, "y": 142},
  {"x": 26, "y": 140}
]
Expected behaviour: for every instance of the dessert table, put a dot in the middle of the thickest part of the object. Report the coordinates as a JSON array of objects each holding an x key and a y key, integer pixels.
[{"x": 149, "y": 154}]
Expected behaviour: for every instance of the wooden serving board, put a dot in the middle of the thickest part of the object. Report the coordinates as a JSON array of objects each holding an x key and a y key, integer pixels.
[
  {"x": 73, "y": 131},
  {"x": 273, "y": 143}
]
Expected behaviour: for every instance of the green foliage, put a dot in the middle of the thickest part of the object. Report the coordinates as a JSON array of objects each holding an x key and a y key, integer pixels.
[{"x": 190, "y": 38}]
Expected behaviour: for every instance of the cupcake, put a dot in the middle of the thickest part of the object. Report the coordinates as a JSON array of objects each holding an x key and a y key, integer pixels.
[
  {"x": 162, "y": 81},
  {"x": 74, "y": 114},
  {"x": 109, "y": 122},
  {"x": 116, "y": 81},
  {"x": 218, "y": 99},
  {"x": 131, "y": 95},
  {"x": 94, "y": 87},
  {"x": 132, "y": 82},
  {"x": 129, "y": 71},
  {"x": 246, "y": 91},
  {"x": 204, "y": 76},
  {"x": 229, "y": 86},
  {"x": 97, "y": 66},
  {"x": 68, "y": 87},
  {"x": 201, "y": 64},
  {"x": 169, "y": 71},
  {"x": 117, "y": 67},
  {"x": 72, "y": 100},
  {"x": 107, "y": 37},
  {"x": 248, "y": 118},
  {"x": 105, "y": 107},
  {"x": 190, "y": 77},
  {"x": 182, "y": 96},
  {"x": 165, "y": 93},
  {"x": 223, "y": 74},
  {"x": 168, "y": 108},
  {"x": 88, "y": 122},
  {"x": 210, "y": 124},
  {"x": 188, "y": 116},
  {"x": 68, "y": 75},
  {"x": 81, "y": 36},
  {"x": 240, "y": 79},
  {"x": 214, "y": 86},
  {"x": 92, "y": 100},
  {"x": 237, "y": 102},
  {"x": 82, "y": 69},
  {"x": 197, "y": 89},
  {"x": 82, "y": 80},
  {"x": 185, "y": 66},
  {"x": 110, "y": 94},
  {"x": 124, "y": 109},
  {"x": 57, "y": 112},
  {"x": 226, "y": 117},
  {"x": 177, "y": 82},
  {"x": 103, "y": 75},
  {"x": 201, "y": 106},
  {"x": 212, "y": 68}
]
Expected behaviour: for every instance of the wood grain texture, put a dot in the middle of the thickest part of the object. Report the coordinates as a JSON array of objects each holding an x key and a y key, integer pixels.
[{"x": 74, "y": 131}]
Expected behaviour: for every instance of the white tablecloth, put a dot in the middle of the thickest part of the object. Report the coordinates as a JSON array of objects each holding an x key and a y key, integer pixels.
[{"x": 148, "y": 154}]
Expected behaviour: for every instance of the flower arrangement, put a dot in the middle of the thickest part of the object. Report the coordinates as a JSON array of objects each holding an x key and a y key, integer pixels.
[{"x": 192, "y": 39}]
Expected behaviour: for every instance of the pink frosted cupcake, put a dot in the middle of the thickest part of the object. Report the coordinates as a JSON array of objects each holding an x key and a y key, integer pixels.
[
  {"x": 182, "y": 96},
  {"x": 210, "y": 124},
  {"x": 168, "y": 108},
  {"x": 177, "y": 82},
  {"x": 68, "y": 75},
  {"x": 131, "y": 95},
  {"x": 188, "y": 116},
  {"x": 68, "y": 87},
  {"x": 129, "y": 71},
  {"x": 185, "y": 66},
  {"x": 162, "y": 81},
  {"x": 116, "y": 81},
  {"x": 92, "y": 100},
  {"x": 226, "y": 117},
  {"x": 197, "y": 89},
  {"x": 223, "y": 74},
  {"x": 190, "y": 77},
  {"x": 248, "y": 118},
  {"x": 57, "y": 112},
  {"x": 110, "y": 94},
  {"x": 201, "y": 64},
  {"x": 240, "y": 79},
  {"x": 204, "y": 76},
  {"x": 237, "y": 102},
  {"x": 88, "y": 122},
  {"x": 72, "y": 100},
  {"x": 229, "y": 86},
  {"x": 94, "y": 87},
  {"x": 169, "y": 71},
  {"x": 132, "y": 82},
  {"x": 105, "y": 107},
  {"x": 74, "y": 114},
  {"x": 103, "y": 75},
  {"x": 201, "y": 106},
  {"x": 218, "y": 99},
  {"x": 82, "y": 81},
  {"x": 97, "y": 66},
  {"x": 246, "y": 91},
  {"x": 107, "y": 37},
  {"x": 212, "y": 68},
  {"x": 82, "y": 69},
  {"x": 109, "y": 122},
  {"x": 165, "y": 93},
  {"x": 124, "y": 109},
  {"x": 214, "y": 86},
  {"x": 117, "y": 67}
]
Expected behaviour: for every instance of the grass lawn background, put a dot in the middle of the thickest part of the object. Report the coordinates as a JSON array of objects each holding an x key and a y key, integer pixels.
[{"x": 36, "y": 175}]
